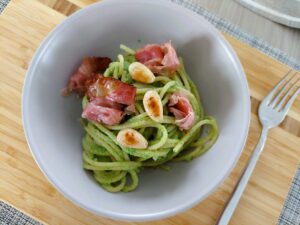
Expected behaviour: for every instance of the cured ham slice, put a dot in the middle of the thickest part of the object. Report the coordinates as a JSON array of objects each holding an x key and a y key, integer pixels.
[
  {"x": 102, "y": 114},
  {"x": 109, "y": 100},
  {"x": 150, "y": 55},
  {"x": 112, "y": 89},
  {"x": 181, "y": 107},
  {"x": 161, "y": 59},
  {"x": 90, "y": 66},
  {"x": 101, "y": 101}
]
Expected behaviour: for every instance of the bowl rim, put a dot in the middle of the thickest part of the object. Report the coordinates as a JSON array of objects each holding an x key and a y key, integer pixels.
[{"x": 59, "y": 186}]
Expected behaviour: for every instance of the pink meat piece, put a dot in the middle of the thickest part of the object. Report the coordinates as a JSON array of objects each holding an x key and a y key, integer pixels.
[
  {"x": 102, "y": 114},
  {"x": 112, "y": 89},
  {"x": 89, "y": 66},
  {"x": 160, "y": 59},
  {"x": 181, "y": 107}
]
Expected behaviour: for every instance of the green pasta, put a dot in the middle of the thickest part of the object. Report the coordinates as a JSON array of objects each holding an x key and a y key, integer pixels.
[{"x": 116, "y": 167}]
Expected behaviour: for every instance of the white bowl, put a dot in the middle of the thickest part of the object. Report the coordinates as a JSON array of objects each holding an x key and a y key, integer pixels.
[{"x": 51, "y": 121}]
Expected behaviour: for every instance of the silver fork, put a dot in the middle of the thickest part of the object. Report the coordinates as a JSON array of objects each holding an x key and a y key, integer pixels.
[{"x": 272, "y": 112}]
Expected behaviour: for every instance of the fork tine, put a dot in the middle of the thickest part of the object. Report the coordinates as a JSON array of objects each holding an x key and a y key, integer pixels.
[
  {"x": 280, "y": 104},
  {"x": 271, "y": 94},
  {"x": 276, "y": 98},
  {"x": 290, "y": 102}
]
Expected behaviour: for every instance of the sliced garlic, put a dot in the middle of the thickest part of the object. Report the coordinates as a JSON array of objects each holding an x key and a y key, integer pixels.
[
  {"x": 141, "y": 73},
  {"x": 153, "y": 106},
  {"x": 132, "y": 139}
]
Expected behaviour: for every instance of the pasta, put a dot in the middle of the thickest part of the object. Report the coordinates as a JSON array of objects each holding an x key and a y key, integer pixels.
[{"x": 114, "y": 166}]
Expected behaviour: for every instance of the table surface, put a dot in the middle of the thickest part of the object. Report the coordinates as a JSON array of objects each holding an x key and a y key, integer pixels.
[
  {"x": 282, "y": 37},
  {"x": 24, "y": 24}
]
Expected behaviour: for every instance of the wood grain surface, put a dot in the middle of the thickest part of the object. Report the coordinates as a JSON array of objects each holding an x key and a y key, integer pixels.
[{"x": 24, "y": 24}]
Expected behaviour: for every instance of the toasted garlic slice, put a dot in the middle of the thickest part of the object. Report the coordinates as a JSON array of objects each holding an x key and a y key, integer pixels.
[
  {"x": 153, "y": 106},
  {"x": 141, "y": 73},
  {"x": 132, "y": 139}
]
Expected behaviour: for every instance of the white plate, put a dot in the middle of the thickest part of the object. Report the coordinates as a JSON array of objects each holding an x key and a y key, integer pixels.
[
  {"x": 286, "y": 12},
  {"x": 51, "y": 121}
]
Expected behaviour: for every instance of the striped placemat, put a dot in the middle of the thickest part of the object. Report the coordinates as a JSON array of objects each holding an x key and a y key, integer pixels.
[
  {"x": 12, "y": 216},
  {"x": 3, "y": 3},
  {"x": 290, "y": 214}
]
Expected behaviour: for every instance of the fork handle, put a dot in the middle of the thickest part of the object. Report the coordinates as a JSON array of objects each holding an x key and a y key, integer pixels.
[{"x": 242, "y": 183}]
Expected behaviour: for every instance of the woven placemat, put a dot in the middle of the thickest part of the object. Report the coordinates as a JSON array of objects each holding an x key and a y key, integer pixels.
[
  {"x": 12, "y": 216},
  {"x": 3, "y": 3},
  {"x": 290, "y": 214}
]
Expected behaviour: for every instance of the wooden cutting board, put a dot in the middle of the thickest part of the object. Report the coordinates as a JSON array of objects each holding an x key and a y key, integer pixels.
[{"x": 24, "y": 24}]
